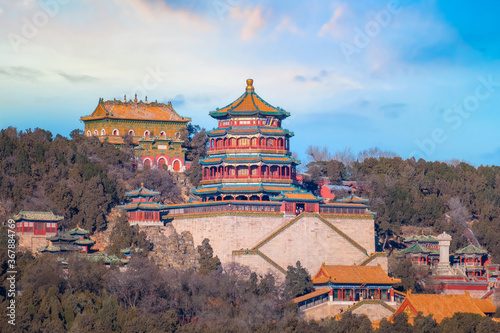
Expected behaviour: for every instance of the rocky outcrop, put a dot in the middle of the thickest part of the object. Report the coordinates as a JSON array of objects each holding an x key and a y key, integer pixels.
[{"x": 171, "y": 250}]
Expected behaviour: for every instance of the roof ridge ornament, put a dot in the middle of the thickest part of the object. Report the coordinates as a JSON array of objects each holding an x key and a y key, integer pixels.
[{"x": 250, "y": 87}]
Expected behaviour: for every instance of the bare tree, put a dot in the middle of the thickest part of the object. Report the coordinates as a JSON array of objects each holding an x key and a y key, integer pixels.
[
  {"x": 375, "y": 152},
  {"x": 345, "y": 156},
  {"x": 317, "y": 154}
]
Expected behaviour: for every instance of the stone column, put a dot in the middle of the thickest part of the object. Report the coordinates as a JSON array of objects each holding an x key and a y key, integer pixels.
[
  {"x": 444, "y": 254},
  {"x": 444, "y": 249}
]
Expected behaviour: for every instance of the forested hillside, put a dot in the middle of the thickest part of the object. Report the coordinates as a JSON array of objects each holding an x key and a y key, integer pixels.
[
  {"x": 79, "y": 178},
  {"x": 421, "y": 193},
  {"x": 82, "y": 179}
]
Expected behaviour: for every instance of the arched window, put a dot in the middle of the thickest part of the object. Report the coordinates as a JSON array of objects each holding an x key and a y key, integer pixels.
[
  {"x": 177, "y": 165},
  {"x": 89, "y": 133},
  {"x": 162, "y": 163},
  {"x": 96, "y": 132},
  {"x": 162, "y": 133},
  {"x": 146, "y": 134},
  {"x": 103, "y": 132},
  {"x": 116, "y": 132},
  {"x": 131, "y": 133}
]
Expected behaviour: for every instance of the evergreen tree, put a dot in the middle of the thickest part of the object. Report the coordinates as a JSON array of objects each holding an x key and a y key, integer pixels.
[
  {"x": 297, "y": 281},
  {"x": 208, "y": 263}
]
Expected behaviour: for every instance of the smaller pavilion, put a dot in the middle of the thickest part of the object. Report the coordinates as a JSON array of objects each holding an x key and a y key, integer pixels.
[
  {"x": 349, "y": 288},
  {"x": 68, "y": 241},
  {"x": 36, "y": 223},
  {"x": 353, "y": 283},
  {"x": 63, "y": 241},
  {"x": 421, "y": 255},
  {"x": 472, "y": 259},
  {"x": 428, "y": 241},
  {"x": 143, "y": 210}
]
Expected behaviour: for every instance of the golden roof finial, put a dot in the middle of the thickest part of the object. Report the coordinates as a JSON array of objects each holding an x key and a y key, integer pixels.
[
  {"x": 125, "y": 98},
  {"x": 250, "y": 85},
  {"x": 142, "y": 184},
  {"x": 135, "y": 99}
]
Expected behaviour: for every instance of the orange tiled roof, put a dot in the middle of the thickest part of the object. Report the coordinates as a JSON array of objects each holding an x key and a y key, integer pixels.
[
  {"x": 272, "y": 130},
  {"x": 352, "y": 199},
  {"x": 353, "y": 275},
  {"x": 486, "y": 305},
  {"x": 440, "y": 306},
  {"x": 236, "y": 158},
  {"x": 249, "y": 102},
  {"x": 300, "y": 196},
  {"x": 276, "y": 158},
  {"x": 214, "y": 159},
  {"x": 135, "y": 111},
  {"x": 207, "y": 189},
  {"x": 279, "y": 188},
  {"x": 241, "y": 188},
  {"x": 312, "y": 294},
  {"x": 142, "y": 205}
]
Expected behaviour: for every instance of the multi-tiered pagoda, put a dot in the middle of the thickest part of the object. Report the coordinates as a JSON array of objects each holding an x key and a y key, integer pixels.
[{"x": 249, "y": 154}]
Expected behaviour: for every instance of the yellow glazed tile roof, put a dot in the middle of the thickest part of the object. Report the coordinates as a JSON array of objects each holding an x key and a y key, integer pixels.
[
  {"x": 300, "y": 196},
  {"x": 486, "y": 305},
  {"x": 440, "y": 306},
  {"x": 135, "y": 111},
  {"x": 353, "y": 275},
  {"x": 311, "y": 295}
]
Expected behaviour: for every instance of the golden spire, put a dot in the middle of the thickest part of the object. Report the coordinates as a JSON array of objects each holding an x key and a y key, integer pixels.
[{"x": 250, "y": 85}]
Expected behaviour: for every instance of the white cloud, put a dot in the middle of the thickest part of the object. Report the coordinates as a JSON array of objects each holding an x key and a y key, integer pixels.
[
  {"x": 287, "y": 24},
  {"x": 333, "y": 27},
  {"x": 254, "y": 21}
]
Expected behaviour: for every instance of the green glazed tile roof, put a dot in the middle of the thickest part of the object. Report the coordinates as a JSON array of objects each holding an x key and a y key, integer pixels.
[
  {"x": 78, "y": 231},
  {"x": 37, "y": 216},
  {"x": 471, "y": 249}
]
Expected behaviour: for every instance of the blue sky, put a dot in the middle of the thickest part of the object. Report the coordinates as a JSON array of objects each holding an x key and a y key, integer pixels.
[{"x": 419, "y": 78}]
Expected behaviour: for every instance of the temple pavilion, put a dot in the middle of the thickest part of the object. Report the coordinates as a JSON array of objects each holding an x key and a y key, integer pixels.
[
  {"x": 249, "y": 154},
  {"x": 36, "y": 223},
  {"x": 143, "y": 210},
  {"x": 339, "y": 288},
  {"x": 249, "y": 166},
  {"x": 154, "y": 130}
]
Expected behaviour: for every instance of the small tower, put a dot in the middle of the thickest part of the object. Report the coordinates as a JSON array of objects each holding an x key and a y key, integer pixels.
[{"x": 444, "y": 255}]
